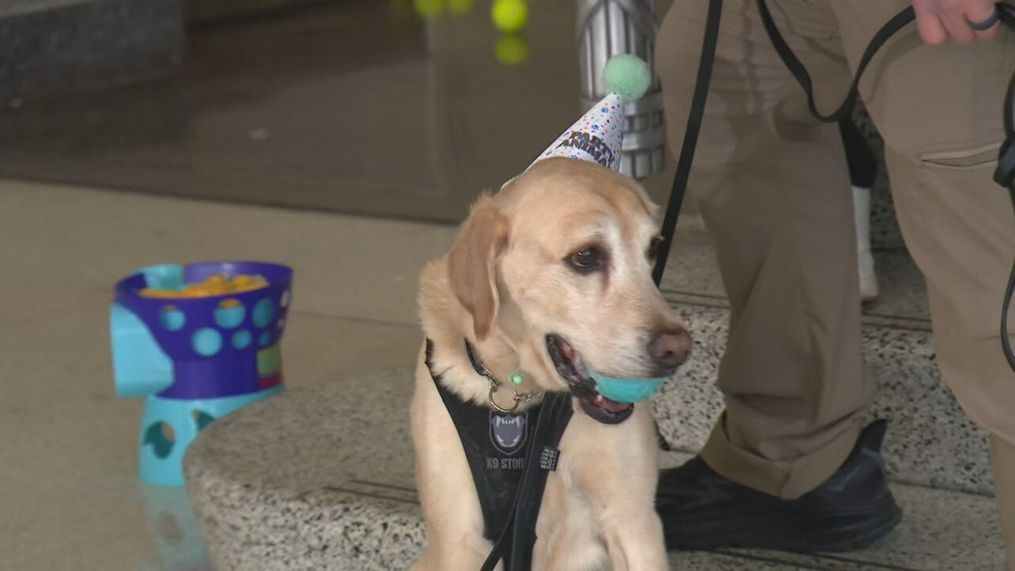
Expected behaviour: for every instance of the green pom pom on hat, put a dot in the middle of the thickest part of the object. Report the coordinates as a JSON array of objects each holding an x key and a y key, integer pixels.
[{"x": 628, "y": 76}]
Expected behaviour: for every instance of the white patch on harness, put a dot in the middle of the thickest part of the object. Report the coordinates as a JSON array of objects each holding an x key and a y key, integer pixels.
[{"x": 508, "y": 431}]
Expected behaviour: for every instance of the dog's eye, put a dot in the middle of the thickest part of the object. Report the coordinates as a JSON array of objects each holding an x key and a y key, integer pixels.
[
  {"x": 587, "y": 259},
  {"x": 653, "y": 248}
]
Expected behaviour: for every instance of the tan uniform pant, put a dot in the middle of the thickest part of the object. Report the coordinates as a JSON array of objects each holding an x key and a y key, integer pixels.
[{"x": 773, "y": 188}]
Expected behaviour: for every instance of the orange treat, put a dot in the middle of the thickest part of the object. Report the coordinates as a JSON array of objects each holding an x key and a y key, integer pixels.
[{"x": 213, "y": 285}]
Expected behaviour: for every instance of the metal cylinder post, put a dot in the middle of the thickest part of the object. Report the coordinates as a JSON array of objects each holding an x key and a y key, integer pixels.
[{"x": 611, "y": 27}]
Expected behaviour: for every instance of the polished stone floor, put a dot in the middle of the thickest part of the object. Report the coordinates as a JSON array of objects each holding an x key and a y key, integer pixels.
[
  {"x": 348, "y": 111},
  {"x": 362, "y": 108},
  {"x": 69, "y": 494},
  {"x": 354, "y": 107}
]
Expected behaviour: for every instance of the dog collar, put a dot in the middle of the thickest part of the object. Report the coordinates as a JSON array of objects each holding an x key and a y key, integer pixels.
[{"x": 481, "y": 370}]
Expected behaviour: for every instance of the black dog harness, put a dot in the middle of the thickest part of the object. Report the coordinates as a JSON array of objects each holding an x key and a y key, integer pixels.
[{"x": 510, "y": 457}]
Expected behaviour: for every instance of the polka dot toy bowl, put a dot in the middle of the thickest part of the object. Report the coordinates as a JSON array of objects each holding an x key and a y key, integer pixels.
[
  {"x": 195, "y": 358},
  {"x": 216, "y": 327}
]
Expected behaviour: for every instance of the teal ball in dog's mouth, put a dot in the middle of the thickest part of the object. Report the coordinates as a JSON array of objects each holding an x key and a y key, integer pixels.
[
  {"x": 607, "y": 400},
  {"x": 626, "y": 390}
]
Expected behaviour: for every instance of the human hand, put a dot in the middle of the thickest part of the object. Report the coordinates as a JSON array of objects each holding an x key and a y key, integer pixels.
[{"x": 937, "y": 20}]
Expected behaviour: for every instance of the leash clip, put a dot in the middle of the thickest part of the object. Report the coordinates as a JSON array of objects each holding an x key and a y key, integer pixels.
[
  {"x": 519, "y": 398},
  {"x": 493, "y": 402}
]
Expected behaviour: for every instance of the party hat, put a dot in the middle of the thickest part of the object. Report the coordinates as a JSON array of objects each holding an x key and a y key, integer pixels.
[{"x": 599, "y": 135}]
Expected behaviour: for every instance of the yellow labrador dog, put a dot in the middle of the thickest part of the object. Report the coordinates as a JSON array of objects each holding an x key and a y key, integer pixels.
[{"x": 550, "y": 277}]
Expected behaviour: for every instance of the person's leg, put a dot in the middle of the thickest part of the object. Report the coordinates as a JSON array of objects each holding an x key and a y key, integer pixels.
[
  {"x": 773, "y": 189},
  {"x": 1002, "y": 456},
  {"x": 862, "y": 171},
  {"x": 939, "y": 110},
  {"x": 772, "y": 186}
]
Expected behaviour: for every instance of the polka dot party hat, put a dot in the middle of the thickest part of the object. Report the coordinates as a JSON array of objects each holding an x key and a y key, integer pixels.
[{"x": 599, "y": 135}]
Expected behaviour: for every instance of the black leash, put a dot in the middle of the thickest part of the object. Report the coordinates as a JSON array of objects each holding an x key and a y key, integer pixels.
[
  {"x": 1004, "y": 175},
  {"x": 705, "y": 64},
  {"x": 896, "y": 23},
  {"x": 515, "y": 543}
]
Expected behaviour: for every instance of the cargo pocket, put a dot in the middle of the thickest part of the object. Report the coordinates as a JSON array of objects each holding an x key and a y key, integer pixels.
[{"x": 984, "y": 156}]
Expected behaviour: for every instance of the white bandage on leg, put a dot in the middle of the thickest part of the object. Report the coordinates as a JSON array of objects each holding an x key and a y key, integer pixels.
[{"x": 865, "y": 261}]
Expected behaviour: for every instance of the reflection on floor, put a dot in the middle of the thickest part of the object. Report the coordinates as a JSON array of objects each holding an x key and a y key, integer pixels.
[
  {"x": 70, "y": 498},
  {"x": 173, "y": 526},
  {"x": 363, "y": 108},
  {"x": 356, "y": 107}
]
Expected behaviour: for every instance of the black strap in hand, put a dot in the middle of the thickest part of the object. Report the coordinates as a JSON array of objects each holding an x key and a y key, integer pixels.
[
  {"x": 705, "y": 65},
  {"x": 799, "y": 72},
  {"x": 515, "y": 543},
  {"x": 1003, "y": 175}
]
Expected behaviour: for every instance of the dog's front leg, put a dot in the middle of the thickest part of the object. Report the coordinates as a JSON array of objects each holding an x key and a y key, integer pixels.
[
  {"x": 636, "y": 544},
  {"x": 447, "y": 494},
  {"x": 443, "y": 554},
  {"x": 623, "y": 488}
]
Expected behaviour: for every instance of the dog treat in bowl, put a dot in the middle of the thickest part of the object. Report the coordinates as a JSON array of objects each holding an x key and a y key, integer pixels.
[{"x": 216, "y": 284}]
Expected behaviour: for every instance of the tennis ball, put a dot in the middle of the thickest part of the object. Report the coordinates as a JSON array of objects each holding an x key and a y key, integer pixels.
[
  {"x": 509, "y": 16},
  {"x": 459, "y": 6},
  {"x": 429, "y": 8},
  {"x": 511, "y": 50}
]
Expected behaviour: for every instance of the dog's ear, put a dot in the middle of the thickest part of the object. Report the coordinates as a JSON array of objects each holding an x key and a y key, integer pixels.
[{"x": 472, "y": 263}]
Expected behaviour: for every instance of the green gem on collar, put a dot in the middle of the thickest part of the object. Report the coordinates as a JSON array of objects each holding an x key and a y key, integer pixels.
[{"x": 516, "y": 378}]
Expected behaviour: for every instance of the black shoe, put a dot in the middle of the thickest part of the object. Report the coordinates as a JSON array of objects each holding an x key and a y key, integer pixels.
[{"x": 852, "y": 509}]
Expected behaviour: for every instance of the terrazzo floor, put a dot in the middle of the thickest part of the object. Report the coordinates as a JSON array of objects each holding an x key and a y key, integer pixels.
[{"x": 69, "y": 498}]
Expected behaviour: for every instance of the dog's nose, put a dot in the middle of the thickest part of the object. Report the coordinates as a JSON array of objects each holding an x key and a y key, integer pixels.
[{"x": 669, "y": 349}]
